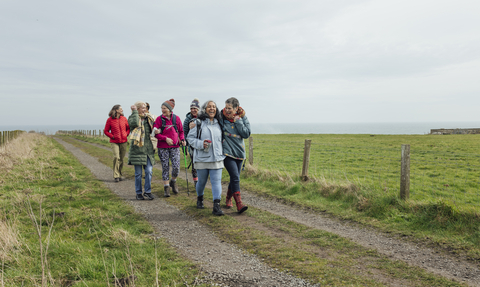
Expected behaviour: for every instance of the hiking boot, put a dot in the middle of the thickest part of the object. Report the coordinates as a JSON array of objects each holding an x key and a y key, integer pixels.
[
  {"x": 121, "y": 179},
  {"x": 140, "y": 197},
  {"x": 149, "y": 196},
  {"x": 216, "y": 208},
  {"x": 174, "y": 186},
  {"x": 116, "y": 179},
  {"x": 200, "y": 202},
  {"x": 167, "y": 191},
  {"x": 228, "y": 199},
  {"x": 238, "y": 200}
]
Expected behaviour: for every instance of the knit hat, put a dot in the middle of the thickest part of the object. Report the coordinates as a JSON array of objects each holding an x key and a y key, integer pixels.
[
  {"x": 195, "y": 104},
  {"x": 170, "y": 104}
]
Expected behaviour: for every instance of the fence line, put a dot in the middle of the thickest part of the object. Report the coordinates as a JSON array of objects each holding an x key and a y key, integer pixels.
[
  {"x": 433, "y": 174},
  {"x": 85, "y": 133},
  {"x": 8, "y": 136},
  {"x": 449, "y": 175}
]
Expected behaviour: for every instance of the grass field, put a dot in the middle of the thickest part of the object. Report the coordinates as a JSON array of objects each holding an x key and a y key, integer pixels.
[
  {"x": 441, "y": 166},
  {"x": 358, "y": 177}
]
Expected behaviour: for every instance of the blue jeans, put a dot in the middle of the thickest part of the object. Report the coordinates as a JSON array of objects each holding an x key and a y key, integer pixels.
[
  {"x": 215, "y": 180},
  {"x": 233, "y": 166},
  {"x": 148, "y": 177}
]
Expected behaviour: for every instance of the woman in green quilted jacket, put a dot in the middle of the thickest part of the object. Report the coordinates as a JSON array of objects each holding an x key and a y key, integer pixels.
[{"x": 141, "y": 153}]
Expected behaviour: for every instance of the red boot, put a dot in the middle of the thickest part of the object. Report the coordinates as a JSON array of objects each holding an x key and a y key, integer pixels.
[
  {"x": 228, "y": 199},
  {"x": 238, "y": 200}
]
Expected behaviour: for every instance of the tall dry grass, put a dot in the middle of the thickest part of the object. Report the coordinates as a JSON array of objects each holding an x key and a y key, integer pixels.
[
  {"x": 19, "y": 149},
  {"x": 8, "y": 240}
]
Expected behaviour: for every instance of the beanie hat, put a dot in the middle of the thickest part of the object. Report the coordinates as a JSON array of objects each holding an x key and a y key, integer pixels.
[
  {"x": 195, "y": 104},
  {"x": 170, "y": 104}
]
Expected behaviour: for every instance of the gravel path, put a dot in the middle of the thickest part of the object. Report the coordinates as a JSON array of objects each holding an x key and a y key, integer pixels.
[{"x": 256, "y": 273}]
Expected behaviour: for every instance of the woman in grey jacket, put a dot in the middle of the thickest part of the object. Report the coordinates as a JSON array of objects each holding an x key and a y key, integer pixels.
[
  {"x": 208, "y": 153},
  {"x": 236, "y": 128}
]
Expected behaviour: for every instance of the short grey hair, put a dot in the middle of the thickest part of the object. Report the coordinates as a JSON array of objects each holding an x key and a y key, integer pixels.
[{"x": 233, "y": 101}]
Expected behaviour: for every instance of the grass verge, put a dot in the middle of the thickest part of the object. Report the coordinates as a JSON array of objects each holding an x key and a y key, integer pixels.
[{"x": 59, "y": 226}]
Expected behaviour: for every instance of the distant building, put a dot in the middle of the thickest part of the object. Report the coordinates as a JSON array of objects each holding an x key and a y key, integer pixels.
[{"x": 454, "y": 131}]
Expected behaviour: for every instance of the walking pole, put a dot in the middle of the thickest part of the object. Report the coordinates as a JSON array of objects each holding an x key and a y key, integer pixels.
[{"x": 184, "y": 148}]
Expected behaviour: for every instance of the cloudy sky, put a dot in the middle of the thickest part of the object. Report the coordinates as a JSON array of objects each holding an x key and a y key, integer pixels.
[{"x": 69, "y": 61}]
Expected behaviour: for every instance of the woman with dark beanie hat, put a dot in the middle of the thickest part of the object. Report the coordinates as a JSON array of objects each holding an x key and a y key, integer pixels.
[
  {"x": 168, "y": 130},
  {"x": 236, "y": 127},
  {"x": 193, "y": 114}
]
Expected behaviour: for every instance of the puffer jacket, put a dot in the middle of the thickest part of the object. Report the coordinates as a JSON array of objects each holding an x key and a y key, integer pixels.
[
  {"x": 138, "y": 155},
  {"x": 234, "y": 133},
  {"x": 169, "y": 131},
  {"x": 210, "y": 131},
  {"x": 117, "y": 129}
]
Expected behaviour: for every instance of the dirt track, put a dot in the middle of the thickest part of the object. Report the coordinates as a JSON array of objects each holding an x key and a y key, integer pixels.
[{"x": 227, "y": 264}]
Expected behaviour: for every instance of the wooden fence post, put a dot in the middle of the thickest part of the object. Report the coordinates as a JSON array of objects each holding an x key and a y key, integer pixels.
[
  {"x": 405, "y": 174},
  {"x": 250, "y": 150},
  {"x": 306, "y": 159}
]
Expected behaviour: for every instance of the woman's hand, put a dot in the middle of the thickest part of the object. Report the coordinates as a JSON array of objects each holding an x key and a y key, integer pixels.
[
  {"x": 184, "y": 143},
  {"x": 169, "y": 141},
  {"x": 205, "y": 143},
  {"x": 156, "y": 131},
  {"x": 236, "y": 118},
  {"x": 191, "y": 125},
  {"x": 133, "y": 107}
]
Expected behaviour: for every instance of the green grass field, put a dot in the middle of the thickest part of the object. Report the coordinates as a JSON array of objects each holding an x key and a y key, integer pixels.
[{"x": 445, "y": 167}]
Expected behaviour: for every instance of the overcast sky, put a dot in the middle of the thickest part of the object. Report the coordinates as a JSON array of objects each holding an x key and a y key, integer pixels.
[{"x": 69, "y": 61}]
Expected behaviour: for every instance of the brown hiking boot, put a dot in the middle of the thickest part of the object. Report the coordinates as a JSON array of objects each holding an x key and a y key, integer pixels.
[
  {"x": 173, "y": 185},
  {"x": 167, "y": 191}
]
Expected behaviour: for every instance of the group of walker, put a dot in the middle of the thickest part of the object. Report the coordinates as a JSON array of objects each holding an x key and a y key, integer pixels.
[{"x": 214, "y": 139}]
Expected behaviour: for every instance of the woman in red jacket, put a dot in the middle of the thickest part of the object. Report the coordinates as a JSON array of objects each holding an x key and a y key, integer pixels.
[{"x": 117, "y": 130}]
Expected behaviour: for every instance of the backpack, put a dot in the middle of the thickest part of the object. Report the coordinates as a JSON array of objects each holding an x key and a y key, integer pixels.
[{"x": 174, "y": 122}]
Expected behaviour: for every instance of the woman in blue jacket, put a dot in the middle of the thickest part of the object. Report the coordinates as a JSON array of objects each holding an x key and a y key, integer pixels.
[
  {"x": 206, "y": 140},
  {"x": 236, "y": 127}
]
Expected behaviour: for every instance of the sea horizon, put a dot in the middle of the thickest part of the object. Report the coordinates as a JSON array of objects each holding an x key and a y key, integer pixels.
[{"x": 407, "y": 128}]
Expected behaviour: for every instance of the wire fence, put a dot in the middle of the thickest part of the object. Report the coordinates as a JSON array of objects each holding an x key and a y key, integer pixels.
[
  {"x": 449, "y": 175},
  {"x": 7, "y": 136}
]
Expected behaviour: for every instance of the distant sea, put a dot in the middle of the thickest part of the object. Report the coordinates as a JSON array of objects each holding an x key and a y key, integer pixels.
[{"x": 412, "y": 128}]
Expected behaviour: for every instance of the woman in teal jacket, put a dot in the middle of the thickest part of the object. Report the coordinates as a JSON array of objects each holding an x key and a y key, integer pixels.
[
  {"x": 141, "y": 153},
  {"x": 236, "y": 127}
]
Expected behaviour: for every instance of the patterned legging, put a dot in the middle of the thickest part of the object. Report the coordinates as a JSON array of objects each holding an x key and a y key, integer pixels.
[{"x": 165, "y": 155}]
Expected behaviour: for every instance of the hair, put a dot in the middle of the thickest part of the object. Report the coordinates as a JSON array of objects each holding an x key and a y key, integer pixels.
[
  {"x": 148, "y": 106},
  {"x": 202, "y": 115},
  {"x": 113, "y": 111},
  {"x": 233, "y": 101},
  {"x": 139, "y": 104}
]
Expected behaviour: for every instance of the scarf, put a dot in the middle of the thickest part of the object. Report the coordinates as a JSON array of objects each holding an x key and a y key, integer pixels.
[
  {"x": 138, "y": 134},
  {"x": 231, "y": 118}
]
